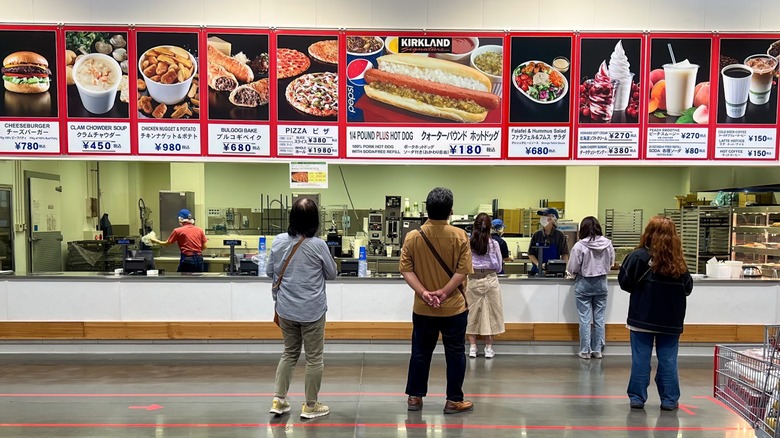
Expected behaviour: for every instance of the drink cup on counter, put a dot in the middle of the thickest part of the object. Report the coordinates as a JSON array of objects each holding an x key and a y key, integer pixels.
[
  {"x": 680, "y": 84},
  {"x": 764, "y": 67},
  {"x": 736, "y": 88},
  {"x": 97, "y": 78},
  {"x": 389, "y": 250}
]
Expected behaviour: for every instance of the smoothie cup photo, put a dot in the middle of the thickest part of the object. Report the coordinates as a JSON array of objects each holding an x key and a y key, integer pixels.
[
  {"x": 763, "y": 67},
  {"x": 680, "y": 85},
  {"x": 736, "y": 88}
]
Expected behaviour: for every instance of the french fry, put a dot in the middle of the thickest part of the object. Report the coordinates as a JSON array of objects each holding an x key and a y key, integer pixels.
[
  {"x": 185, "y": 61},
  {"x": 193, "y": 91},
  {"x": 180, "y": 52},
  {"x": 164, "y": 51},
  {"x": 166, "y": 59},
  {"x": 196, "y": 110},
  {"x": 195, "y": 101},
  {"x": 180, "y": 76}
]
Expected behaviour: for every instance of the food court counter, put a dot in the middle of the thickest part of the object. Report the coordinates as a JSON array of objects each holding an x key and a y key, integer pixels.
[{"x": 74, "y": 305}]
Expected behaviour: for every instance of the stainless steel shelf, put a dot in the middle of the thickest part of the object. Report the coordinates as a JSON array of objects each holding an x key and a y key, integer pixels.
[
  {"x": 756, "y": 229},
  {"x": 758, "y": 251}
]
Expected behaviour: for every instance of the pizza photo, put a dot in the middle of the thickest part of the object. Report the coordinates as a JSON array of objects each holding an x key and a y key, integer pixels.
[
  {"x": 299, "y": 177},
  {"x": 307, "y": 77}
]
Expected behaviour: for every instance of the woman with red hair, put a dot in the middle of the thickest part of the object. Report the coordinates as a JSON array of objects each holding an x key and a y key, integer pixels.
[{"x": 657, "y": 278}]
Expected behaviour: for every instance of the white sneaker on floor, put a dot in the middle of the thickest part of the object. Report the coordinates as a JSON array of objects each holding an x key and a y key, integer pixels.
[
  {"x": 584, "y": 355},
  {"x": 279, "y": 406},
  {"x": 473, "y": 351},
  {"x": 489, "y": 353},
  {"x": 318, "y": 410},
  {"x": 596, "y": 355}
]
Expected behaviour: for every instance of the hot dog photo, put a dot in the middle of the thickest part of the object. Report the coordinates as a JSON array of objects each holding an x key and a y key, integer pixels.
[
  {"x": 29, "y": 73},
  {"x": 424, "y": 80},
  {"x": 238, "y": 85}
]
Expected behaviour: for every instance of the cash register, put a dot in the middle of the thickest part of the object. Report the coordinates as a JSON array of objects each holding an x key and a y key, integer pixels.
[{"x": 555, "y": 268}]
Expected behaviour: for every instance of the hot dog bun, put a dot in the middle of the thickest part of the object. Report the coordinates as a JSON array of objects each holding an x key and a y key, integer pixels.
[
  {"x": 432, "y": 87},
  {"x": 241, "y": 71}
]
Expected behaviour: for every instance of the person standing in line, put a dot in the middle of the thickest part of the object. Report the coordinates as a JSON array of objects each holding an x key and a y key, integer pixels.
[
  {"x": 486, "y": 311},
  {"x": 497, "y": 235},
  {"x": 658, "y": 280},
  {"x": 551, "y": 241},
  {"x": 590, "y": 260},
  {"x": 191, "y": 240},
  {"x": 439, "y": 302},
  {"x": 304, "y": 263}
]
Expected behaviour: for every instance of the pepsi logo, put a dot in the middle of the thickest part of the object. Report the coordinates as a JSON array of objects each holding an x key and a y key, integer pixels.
[{"x": 356, "y": 70}]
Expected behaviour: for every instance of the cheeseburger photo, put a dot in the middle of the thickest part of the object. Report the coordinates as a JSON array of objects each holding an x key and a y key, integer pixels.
[
  {"x": 432, "y": 87},
  {"x": 26, "y": 72}
]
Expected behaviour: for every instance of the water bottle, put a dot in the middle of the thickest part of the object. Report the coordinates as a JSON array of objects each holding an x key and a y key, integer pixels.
[
  {"x": 261, "y": 255},
  {"x": 362, "y": 262}
]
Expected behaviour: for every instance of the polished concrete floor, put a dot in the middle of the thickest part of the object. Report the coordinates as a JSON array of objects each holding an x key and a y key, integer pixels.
[{"x": 229, "y": 396}]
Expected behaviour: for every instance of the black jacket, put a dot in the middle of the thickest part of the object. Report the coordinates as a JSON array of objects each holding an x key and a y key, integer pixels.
[{"x": 657, "y": 302}]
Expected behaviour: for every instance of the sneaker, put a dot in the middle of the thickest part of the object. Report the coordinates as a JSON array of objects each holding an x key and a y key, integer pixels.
[
  {"x": 453, "y": 407},
  {"x": 318, "y": 410},
  {"x": 279, "y": 406},
  {"x": 637, "y": 405},
  {"x": 596, "y": 355},
  {"x": 473, "y": 351},
  {"x": 414, "y": 403},
  {"x": 584, "y": 355},
  {"x": 489, "y": 353},
  {"x": 669, "y": 407}
]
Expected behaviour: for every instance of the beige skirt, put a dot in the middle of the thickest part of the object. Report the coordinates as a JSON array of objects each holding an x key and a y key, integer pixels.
[{"x": 486, "y": 311}]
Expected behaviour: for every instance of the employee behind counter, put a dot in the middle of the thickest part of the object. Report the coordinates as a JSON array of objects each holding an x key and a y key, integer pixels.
[
  {"x": 191, "y": 240},
  {"x": 549, "y": 238}
]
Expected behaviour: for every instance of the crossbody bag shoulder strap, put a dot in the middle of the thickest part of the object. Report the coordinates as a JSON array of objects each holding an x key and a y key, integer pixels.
[
  {"x": 443, "y": 264},
  {"x": 287, "y": 262}
]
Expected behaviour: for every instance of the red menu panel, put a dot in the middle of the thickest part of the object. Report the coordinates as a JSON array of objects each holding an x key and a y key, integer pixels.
[
  {"x": 430, "y": 95},
  {"x": 30, "y": 106},
  {"x": 540, "y": 94},
  {"x": 608, "y": 122},
  {"x": 238, "y": 84},
  {"x": 747, "y": 103}
]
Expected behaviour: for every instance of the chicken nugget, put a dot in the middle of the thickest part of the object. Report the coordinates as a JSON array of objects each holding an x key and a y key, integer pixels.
[
  {"x": 160, "y": 111},
  {"x": 141, "y": 84},
  {"x": 162, "y": 68},
  {"x": 145, "y": 104},
  {"x": 169, "y": 78}
]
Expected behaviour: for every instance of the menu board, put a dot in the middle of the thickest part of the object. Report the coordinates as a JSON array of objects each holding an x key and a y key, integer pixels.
[
  {"x": 609, "y": 90},
  {"x": 308, "y": 94},
  {"x": 29, "y": 108},
  {"x": 540, "y": 96},
  {"x": 678, "y": 103},
  {"x": 169, "y": 92},
  {"x": 238, "y": 84},
  {"x": 747, "y": 97},
  {"x": 406, "y": 93},
  {"x": 97, "y": 77}
]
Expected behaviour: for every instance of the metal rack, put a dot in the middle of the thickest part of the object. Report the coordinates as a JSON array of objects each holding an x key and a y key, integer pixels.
[
  {"x": 623, "y": 228},
  {"x": 747, "y": 379},
  {"x": 755, "y": 236},
  {"x": 705, "y": 232}
]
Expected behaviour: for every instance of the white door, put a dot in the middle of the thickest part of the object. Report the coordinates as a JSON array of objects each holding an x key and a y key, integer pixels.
[{"x": 45, "y": 220}]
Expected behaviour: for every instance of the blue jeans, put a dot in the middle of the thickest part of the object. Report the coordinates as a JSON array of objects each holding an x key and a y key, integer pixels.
[
  {"x": 591, "y": 296},
  {"x": 191, "y": 263},
  {"x": 425, "y": 334},
  {"x": 666, "y": 378}
]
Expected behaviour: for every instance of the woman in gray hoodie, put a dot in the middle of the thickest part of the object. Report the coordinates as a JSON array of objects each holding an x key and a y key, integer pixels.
[{"x": 591, "y": 259}]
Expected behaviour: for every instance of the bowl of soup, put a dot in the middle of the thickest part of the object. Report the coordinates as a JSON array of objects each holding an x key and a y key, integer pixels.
[{"x": 97, "y": 78}]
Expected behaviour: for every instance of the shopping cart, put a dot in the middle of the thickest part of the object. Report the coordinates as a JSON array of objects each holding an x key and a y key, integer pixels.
[{"x": 747, "y": 379}]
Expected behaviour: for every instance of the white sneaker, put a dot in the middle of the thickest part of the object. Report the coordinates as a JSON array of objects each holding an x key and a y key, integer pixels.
[
  {"x": 279, "y": 406},
  {"x": 584, "y": 355},
  {"x": 473, "y": 351},
  {"x": 596, "y": 355},
  {"x": 318, "y": 410},
  {"x": 489, "y": 353}
]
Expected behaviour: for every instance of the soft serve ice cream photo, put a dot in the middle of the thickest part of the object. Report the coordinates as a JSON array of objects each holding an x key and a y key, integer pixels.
[
  {"x": 679, "y": 87},
  {"x": 609, "y": 90}
]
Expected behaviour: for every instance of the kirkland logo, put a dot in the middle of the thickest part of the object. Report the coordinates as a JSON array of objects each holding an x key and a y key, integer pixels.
[{"x": 424, "y": 45}]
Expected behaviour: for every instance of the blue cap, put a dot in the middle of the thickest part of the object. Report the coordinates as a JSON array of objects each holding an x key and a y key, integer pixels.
[
  {"x": 546, "y": 211},
  {"x": 497, "y": 223},
  {"x": 185, "y": 214}
]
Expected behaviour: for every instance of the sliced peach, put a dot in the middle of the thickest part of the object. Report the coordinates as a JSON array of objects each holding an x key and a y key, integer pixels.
[{"x": 658, "y": 93}]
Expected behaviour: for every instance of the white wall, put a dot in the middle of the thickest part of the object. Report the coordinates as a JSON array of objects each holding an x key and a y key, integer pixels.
[{"x": 723, "y": 15}]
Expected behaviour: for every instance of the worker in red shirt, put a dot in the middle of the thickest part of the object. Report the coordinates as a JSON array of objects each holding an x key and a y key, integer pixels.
[{"x": 191, "y": 240}]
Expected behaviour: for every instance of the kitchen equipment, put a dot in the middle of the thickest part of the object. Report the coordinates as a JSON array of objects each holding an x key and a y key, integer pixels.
[{"x": 751, "y": 271}]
